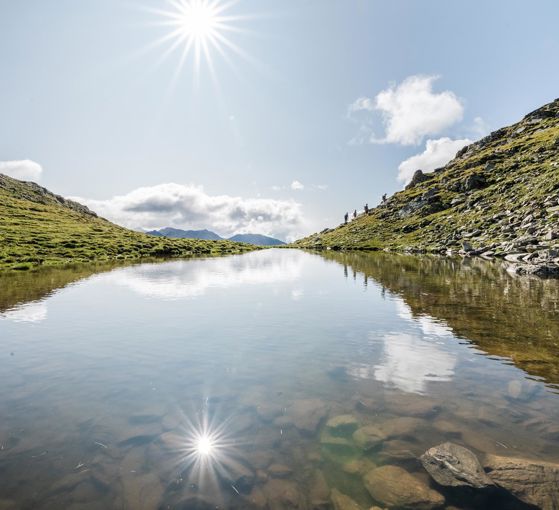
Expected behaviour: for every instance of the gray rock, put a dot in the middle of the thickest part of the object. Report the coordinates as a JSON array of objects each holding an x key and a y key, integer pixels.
[
  {"x": 452, "y": 465},
  {"x": 531, "y": 481},
  {"x": 417, "y": 178},
  {"x": 473, "y": 182}
]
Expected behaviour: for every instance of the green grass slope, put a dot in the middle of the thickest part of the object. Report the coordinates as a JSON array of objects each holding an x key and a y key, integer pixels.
[
  {"x": 39, "y": 228},
  {"x": 500, "y": 194}
]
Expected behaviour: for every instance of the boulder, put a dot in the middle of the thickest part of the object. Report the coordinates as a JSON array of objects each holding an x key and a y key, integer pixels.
[
  {"x": 368, "y": 437},
  {"x": 306, "y": 414},
  {"x": 343, "y": 502},
  {"x": 282, "y": 494},
  {"x": 392, "y": 486},
  {"x": 532, "y": 481},
  {"x": 342, "y": 425},
  {"x": 417, "y": 178},
  {"x": 319, "y": 492},
  {"x": 472, "y": 182},
  {"x": 451, "y": 465}
]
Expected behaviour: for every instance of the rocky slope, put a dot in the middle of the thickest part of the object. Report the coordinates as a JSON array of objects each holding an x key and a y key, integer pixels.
[
  {"x": 499, "y": 197},
  {"x": 38, "y": 228}
]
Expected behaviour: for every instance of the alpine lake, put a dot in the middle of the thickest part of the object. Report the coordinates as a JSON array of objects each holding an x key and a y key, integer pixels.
[{"x": 278, "y": 379}]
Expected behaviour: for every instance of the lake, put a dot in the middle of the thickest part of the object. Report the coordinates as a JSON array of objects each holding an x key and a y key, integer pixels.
[{"x": 240, "y": 382}]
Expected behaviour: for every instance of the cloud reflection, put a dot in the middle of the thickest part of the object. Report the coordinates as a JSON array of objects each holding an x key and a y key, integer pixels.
[
  {"x": 410, "y": 360},
  {"x": 192, "y": 278},
  {"x": 34, "y": 311}
]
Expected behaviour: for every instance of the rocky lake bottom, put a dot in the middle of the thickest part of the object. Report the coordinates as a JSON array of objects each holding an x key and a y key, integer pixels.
[{"x": 280, "y": 379}]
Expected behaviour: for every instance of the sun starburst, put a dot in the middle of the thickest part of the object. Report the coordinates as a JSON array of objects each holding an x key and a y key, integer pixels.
[{"x": 198, "y": 28}]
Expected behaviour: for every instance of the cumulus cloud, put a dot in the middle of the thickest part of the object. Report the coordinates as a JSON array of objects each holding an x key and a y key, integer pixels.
[
  {"x": 24, "y": 170},
  {"x": 297, "y": 185},
  {"x": 436, "y": 154},
  {"x": 411, "y": 110},
  {"x": 189, "y": 206}
]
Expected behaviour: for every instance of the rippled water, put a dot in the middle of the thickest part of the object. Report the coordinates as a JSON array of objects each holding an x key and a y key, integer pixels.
[{"x": 208, "y": 383}]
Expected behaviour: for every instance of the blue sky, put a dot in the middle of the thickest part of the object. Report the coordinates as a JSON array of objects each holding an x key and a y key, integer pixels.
[{"x": 326, "y": 102}]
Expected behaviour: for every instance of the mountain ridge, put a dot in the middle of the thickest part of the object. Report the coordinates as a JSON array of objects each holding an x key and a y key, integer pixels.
[
  {"x": 499, "y": 197},
  {"x": 255, "y": 239}
]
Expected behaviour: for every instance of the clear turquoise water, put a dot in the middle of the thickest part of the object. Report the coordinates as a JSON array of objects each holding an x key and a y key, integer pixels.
[{"x": 207, "y": 383}]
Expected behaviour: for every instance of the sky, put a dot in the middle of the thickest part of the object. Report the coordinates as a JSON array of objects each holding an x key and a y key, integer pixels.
[{"x": 299, "y": 111}]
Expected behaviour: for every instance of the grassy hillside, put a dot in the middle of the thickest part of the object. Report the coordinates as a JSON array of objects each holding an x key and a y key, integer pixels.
[
  {"x": 38, "y": 228},
  {"x": 500, "y": 194}
]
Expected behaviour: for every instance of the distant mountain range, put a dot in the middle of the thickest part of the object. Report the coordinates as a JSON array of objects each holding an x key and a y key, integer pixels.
[{"x": 177, "y": 233}]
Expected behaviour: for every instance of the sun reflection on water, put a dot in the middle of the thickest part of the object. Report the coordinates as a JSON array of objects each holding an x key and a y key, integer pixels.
[{"x": 207, "y": 453}]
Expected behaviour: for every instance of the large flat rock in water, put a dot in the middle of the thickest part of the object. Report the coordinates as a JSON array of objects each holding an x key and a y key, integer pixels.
[
  {"x": 531, "y": 481},
  {"x": 393, "y": 486},
  {"x": 452, "y": 465}
]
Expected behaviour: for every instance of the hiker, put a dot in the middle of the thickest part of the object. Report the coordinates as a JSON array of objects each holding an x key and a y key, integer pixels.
[
  {"x": 384, "y": 198},
  {"x": 366, "y": 208},
  {"x": 346, "y": 217},
  {"x": 355, "y": 214}
]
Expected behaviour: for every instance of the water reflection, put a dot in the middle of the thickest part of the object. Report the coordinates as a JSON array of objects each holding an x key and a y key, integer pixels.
[
  {"x": 409, "y": 361},
  {"x": 240, "y": 382},
  {"x": 186, "y": 279},
  {"x": 34, "y": 311},
  {"x": 516, "y": 319}
]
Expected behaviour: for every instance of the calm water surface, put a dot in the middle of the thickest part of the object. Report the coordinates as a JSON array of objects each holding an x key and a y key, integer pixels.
[{"x": 207, "y": 383}]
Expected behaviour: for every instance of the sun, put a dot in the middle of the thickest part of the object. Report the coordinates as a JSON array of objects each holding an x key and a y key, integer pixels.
[
  {"x": 204, "y": 445},
  {"x": 198, "y": 19},
  {"x": 198, "y": 29}
]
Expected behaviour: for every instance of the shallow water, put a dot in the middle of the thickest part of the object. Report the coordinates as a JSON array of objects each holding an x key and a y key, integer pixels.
[{"x": 208, "y": 383}]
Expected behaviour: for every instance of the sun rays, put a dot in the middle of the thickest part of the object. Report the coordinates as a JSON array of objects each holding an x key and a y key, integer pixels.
[{"x": 198, "y": 29}]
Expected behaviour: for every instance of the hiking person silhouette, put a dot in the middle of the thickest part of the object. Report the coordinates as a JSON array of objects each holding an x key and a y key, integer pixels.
[
  {"x": 355, "y": 214},
  {"x": 346, "y": 217}
]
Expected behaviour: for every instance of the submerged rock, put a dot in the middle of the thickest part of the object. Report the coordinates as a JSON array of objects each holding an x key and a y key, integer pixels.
[
  {"x": 403, "y": 427},
  {"x": 368, "y": 437},
  {"x": 283, "y": 494},
  {"x": 343, "y": 502},
  {"x": 532, "y": 481},
  {"x": 342, "y": 425},
  {"x": 452, "y": 465},
  {"x": 319, "y": 493},
  {"x": 394, "y": 487},
  {"x": 336, "y": 444},
  {"x": 306, "y": 414},
  {"x": 279, "y": 471}
]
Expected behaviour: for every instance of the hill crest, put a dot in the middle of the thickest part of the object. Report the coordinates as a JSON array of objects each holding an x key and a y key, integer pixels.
[{"x": 498, "y": 197}]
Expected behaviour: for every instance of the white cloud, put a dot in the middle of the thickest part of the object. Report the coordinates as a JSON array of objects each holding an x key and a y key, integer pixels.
[
  {"x": 297, "y": 185},
  {"x": 436, "y": 154},
  {"x": 180, "y": 206},
  {"x": 24, "y": 170},
  {"x": 411, "y": 110},
  {"x": 321, "y": 187},
  {"x": 361, "y": 104}
]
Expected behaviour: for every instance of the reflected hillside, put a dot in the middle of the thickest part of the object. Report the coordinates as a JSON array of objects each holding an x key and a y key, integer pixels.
[
  {"x": 516, "y": 318},
  {"x": 20, "y": 288}
]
